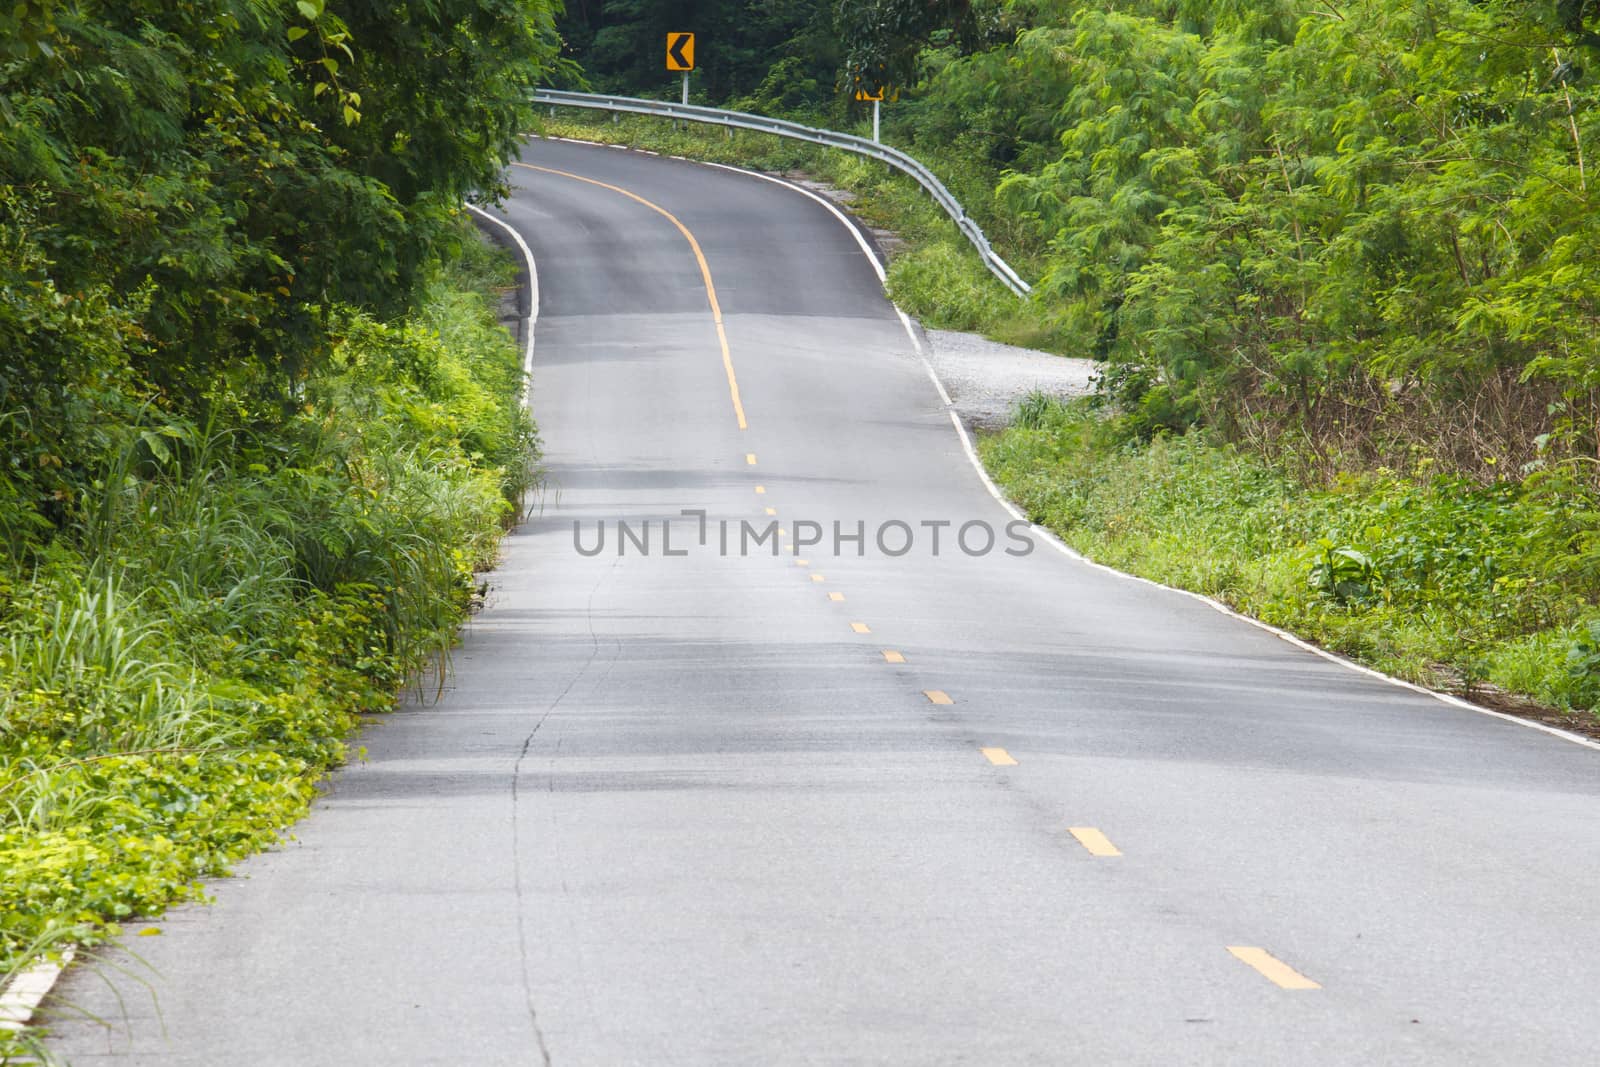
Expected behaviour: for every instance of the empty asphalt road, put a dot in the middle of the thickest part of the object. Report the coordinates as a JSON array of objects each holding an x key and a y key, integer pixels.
[{"x": 964, "y": 806}]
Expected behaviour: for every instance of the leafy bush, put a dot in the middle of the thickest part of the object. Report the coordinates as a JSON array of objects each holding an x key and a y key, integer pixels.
[
  {"x": 1342, "y": 574},
  {"x": 1583, "y": 664}
]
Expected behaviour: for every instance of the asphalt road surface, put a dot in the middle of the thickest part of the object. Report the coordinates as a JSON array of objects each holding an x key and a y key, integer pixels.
[{"x": 918, "y": 808}]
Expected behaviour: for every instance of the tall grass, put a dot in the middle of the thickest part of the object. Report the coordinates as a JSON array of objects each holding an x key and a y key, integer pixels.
[{"x": 188, "y": 652}]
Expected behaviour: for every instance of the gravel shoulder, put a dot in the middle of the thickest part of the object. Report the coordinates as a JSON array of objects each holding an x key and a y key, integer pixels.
[{"x": 986, "y": 379}]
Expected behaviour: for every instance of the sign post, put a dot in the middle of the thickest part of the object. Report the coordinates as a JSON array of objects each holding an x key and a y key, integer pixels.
[
  {"x": 680, "y": 57},
  {"x": 877, "y": 102}
]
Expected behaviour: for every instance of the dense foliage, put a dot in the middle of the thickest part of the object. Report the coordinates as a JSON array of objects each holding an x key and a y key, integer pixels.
[
  {"x": 258, "y": 422},
  {"x": 1366, "y": 224},
  {"x": 189, "y": 191}
]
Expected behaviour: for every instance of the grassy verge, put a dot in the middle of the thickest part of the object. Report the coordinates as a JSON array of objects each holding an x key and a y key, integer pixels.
[
  {"x": 1487, "y": 591},
  {"x": 937, "y": 276},
  {"x": 180, "y": 667}
]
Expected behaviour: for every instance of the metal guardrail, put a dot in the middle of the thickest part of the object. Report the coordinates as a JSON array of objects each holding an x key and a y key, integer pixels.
[{"x": 861, "y": 146}]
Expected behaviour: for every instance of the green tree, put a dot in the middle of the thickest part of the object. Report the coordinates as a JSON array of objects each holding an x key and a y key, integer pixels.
[{"x": 189, "y": 189}]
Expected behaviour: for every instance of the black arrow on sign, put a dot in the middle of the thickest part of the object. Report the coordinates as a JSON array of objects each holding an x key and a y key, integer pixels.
[{"x": 675, "y": 50}]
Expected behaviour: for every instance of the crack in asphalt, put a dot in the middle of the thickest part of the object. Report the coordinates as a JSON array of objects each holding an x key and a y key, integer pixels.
[{"x": 516, "y": 837}]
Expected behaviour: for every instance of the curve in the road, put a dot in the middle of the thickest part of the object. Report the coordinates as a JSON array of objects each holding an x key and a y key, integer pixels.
[
  {"x": 682, "y": 805},
  {"x": 705, "y": 275}
]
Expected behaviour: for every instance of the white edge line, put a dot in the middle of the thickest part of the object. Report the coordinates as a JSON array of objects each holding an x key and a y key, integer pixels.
[
  {"x": 866, "y": 250},
  {"x": 1061, "y": 546},
  {"x": 533, "y": 301},
  {"x": 29, "y": 988}
]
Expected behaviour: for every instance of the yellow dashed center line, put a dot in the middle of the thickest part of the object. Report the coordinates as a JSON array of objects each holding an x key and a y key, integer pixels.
[
  {"x": 939, "y": 696},
  {"x": 802, "y": 563},
  {"x": 1272, "y": 968},
  {"x": 705, "y": 275},
  {"x": 750, "y": 458},
  {"x": 818, "y": 578},
  {"x": 832, "y": 596},
  {"x": 891, "y": 656},
  {"x": 860, "y": 628},
  {"x": 761, "y": 489},
  {"x": 772, "y": 511},
  {"x": 1096, "y": 842},
  {"x": 998, "y": 756}
]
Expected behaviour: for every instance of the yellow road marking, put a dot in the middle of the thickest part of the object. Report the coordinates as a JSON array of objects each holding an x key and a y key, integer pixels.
[
  {"x": 750, "y": 458},
  {"x": 891, "y": 656},
  {"x": 939, "y": 696},
  {"x": 818, "y": 578},
  {"x": 705, "y": 275},
  {"x": 1096, "y": 842},
  {"x": 782, "y": 532},
  {"x": 860, "y": 628},
  {"x": 832, "y": 596},
  {"x": 1272, "y": 968},
  {"x": 998, "y": 756},
  {"x": 772, "y": 511},
  {"x": 802, "y": 563},
  {"x": 761, "y": 489}
]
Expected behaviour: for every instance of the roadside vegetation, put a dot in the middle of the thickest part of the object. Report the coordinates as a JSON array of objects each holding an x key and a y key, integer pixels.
[
  {"x": 1345, "y": 251},
  {"x": 1486, "y": 590},
  {"x": 261, "y": 424}
]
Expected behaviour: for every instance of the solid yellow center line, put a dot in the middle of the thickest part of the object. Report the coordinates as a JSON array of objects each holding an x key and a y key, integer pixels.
[
  {"x": 998, "y": 756},
  {"x": 1272, "y": 968},
  {"x": 891, "y": 656},
  {"x": 860, "y": 628},
  {"x": 750, "y": 458},
  {"x": 833, "y": 596},
  {"x": 1096, "y": 842},
  {"x": 939, "y": 696},
  {"x": 705, "y": 275}
]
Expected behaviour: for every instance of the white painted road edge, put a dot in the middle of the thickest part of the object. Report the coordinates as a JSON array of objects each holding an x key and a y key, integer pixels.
[
  {"x": 1061, "y": 546},
  {"x": 533, "y": 301},
  {"x": 29, "y": 988}
]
